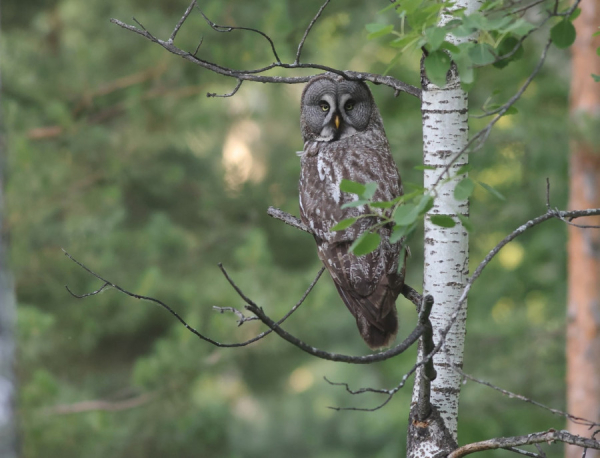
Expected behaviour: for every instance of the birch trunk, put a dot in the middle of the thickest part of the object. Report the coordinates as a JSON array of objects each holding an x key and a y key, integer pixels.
[
  {"x": 583, "y": 327},
  {"x": 445, "y": 134}
]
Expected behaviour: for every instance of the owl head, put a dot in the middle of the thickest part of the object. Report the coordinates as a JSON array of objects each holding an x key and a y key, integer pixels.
[{"x": 333, "y": 108}]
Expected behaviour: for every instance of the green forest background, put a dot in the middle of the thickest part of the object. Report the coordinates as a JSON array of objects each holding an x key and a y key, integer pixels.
[{"x": 116, "y": 155}]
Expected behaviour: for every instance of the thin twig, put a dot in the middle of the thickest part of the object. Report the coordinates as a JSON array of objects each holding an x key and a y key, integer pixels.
[
  {"x": 181, "y": 21},
  {"x": 573, "y": 418},
  {"x": 176, "y": 315},
  {"x": 368, "y": 359},
  {"x": 523, "y": 452},
  {"x": 254, "y": 75},
  {"x": 241, "y": 317},
  {"x": 227, "y": 28},
  {"x": 301, "y": 45},
  {"x": 230, "y": 94},
  {"x": 481, "y": 136}
]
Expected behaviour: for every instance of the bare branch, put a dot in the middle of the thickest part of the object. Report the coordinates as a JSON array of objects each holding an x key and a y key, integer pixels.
[
  {"x": 230, "y": 94},
  {"x": 524, "y": 452},
  {"x": 176, "y": 315},
  {"x": 93, "y": 293},
  {"x": 182, "y": 20},
  {"x": 535, "y": 438},
  {"x": 241, "y": 317},
  {"x": 297, "y": 60},
  {"x": 368, "y": 359},
  {"x": 254, "y": 74},
  {"x": 573, "y": 418},
  {"x": 287, "y": 219},
  {"x": 226, "y": 28}
]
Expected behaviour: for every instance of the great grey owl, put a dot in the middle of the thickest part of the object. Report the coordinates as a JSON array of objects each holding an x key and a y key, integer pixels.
[{"x": 344, "y": 139}]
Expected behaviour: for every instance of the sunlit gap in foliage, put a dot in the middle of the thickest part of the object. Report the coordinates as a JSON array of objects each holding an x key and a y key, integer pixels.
[{"x": 238, "y": 161}]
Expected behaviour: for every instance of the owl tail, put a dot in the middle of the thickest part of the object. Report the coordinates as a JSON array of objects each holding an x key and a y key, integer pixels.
[
  {"x": 377, "y": 331},
  {"x": 380, "y": 334}
]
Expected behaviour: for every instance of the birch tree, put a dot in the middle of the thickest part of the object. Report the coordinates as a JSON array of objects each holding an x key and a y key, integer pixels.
[{"x": 456, "y": 39}]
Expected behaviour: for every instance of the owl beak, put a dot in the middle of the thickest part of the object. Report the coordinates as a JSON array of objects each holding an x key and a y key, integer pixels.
[{"x": 337, "y": 121}]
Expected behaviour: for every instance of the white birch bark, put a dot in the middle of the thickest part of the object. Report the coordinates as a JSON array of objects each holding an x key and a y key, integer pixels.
[{"x": 446, "y": 257}]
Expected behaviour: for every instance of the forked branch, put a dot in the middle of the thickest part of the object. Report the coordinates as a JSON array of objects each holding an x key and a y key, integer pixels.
[{"x": 256, "y": 75}]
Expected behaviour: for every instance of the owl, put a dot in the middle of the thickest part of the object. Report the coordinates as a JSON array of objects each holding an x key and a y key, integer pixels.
[{"x": 344, "y": 138}]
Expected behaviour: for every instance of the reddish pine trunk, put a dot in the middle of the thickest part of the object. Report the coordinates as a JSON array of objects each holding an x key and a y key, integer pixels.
[{"x": 583, "y": 328}]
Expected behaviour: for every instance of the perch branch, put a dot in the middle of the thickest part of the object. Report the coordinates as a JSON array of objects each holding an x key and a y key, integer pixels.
[{"x": 376, "y": 357}]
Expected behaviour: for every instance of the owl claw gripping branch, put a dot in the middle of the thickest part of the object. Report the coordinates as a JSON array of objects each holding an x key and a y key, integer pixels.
[{"x": 344, "y": 139}]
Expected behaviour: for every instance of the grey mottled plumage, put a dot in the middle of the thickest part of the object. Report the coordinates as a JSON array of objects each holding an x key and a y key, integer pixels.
[{"x": 344, "y": 139}]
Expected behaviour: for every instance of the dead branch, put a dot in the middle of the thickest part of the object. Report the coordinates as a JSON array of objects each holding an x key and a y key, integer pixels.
[
  {"x": 368, "y": 359},
  {"x": 108, "y": 283},
  {"x": 255, "y": 74},
  {"x": 549, "y": 436},
  {"x": 573, "y": 418}
]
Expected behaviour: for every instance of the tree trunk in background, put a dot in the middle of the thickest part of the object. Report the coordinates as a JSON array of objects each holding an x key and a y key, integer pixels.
[
  {"x": 8, "y": 436},
  {"x": 583, "y": 327},
  {"x": 446, "y": 259}
]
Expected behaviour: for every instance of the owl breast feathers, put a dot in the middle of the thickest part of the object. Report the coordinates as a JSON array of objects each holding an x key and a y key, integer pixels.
[{"x": 344, "y": 139}]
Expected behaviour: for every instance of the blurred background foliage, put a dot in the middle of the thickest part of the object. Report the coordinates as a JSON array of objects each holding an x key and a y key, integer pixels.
[{"x": 116, "y": 155}]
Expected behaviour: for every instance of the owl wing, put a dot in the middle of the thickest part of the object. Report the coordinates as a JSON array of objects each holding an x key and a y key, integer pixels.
[{"x": 367, "y": 284}]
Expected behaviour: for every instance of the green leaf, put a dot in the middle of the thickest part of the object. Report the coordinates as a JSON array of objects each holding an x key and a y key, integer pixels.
[
  {"x": 378, "y": 30},
  {"x": 443, "y": 221},
  {"x": 466, "y": 222},
  {"x": 424, "y": 167},
  {"x": 499, "y": 23},
  {"x": 464, "y": 169},
  {"x": 506, "y": 46},
  {"x": 425, "y": 204},
  {"x": 435, "y": 37},
  {"x": 491, "y": 190},
  {"x": 596, "y": 78},
  {"x": 355, "y": 203},
  {"x": 450, "y": 47},
  {"x": 381, "y": 204},
  {"x": 462, "y": 31},
  {"x": 481, "y": 54},
  {"x": 406, "y": 214},
  {"x": 437, "y": 65},
  {"x": 464, "y": 64},
  {"x": 575, "y": 14},
  {"x": 512, "y": 110},
  {"x": 598, "y": 50},
  {"x": 370, "y": 189},
  {"x": 519, "y": 27},
  {"x": 464, "y": 189},
  {"x": 403, "y": 42},
  {"x": 595, "y": 34},
  {"x": 352, "y": 187},
  {"x": 401, "y": 231},
  {"x": 563, "y": 34},
  {"x": 366, "y": 243},
  {"x": 344, "y": 224}
]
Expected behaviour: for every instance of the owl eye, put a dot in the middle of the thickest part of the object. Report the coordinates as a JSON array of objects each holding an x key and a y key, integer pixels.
[
  {"x": 349, "y": 106},
  {"x": 324, "y": 106}
]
